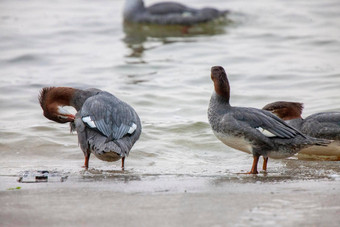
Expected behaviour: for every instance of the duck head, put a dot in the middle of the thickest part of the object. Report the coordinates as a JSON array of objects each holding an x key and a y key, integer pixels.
[
  {"x": 285, "y": 110},
  {"x": 221, "y": 83},
  {"x": 132, "y": 7},
  {"x": 53, "y": 99}
]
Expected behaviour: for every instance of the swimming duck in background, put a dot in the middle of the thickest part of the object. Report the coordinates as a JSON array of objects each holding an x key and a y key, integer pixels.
[
  {"x": 166, "y": 13},
  {"x": 106, "y": 126},
  {"x": 324, "y": 125},
  {"x": 251, "y": 130}
]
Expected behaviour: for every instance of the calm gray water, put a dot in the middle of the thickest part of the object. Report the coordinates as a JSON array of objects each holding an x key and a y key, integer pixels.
[{"x": 271, "y": 50}]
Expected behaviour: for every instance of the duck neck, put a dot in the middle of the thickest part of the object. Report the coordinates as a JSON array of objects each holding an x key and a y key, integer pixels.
[
  {"x": 64, "y": 96},
  {"x": 219, "y": 100},
  {"x": 132, "y": 7},
  {"x": 222, "y": 90},
  {"x": 80, "y": 96}
]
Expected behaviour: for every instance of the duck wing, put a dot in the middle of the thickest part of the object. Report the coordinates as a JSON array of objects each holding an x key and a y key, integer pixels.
[
  {"x": 330, "y": 117},
  {"x": 266, "y": 122},
  {"x": 323, "y": 125},
  {"x": 169, "y": 8}
]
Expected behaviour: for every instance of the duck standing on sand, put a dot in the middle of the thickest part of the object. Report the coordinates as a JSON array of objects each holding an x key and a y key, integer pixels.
[
  {"x": 251, "y": 130},
  {"x": 106, "y": 126},
  {"x": 324, "y": 125},
  {"x": 168, "y": 13}
]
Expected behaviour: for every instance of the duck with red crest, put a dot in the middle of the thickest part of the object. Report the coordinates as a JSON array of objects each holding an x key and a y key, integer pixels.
[
  {"x": 106, "y": 126},
  {"x": 251, "y": 130},
  {"x": 324, "y": 125}
]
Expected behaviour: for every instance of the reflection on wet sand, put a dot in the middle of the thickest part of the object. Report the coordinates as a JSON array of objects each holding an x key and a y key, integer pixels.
[
  {"x": 292, "y": 170},
  {"x": 94, "y": 175}
]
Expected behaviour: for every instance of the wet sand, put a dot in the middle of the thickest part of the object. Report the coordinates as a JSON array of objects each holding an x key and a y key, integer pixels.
[{"x": 127, "y": 199}]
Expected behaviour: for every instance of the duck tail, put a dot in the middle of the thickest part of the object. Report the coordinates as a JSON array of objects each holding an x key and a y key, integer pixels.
[{"x": 321, "y": 142}]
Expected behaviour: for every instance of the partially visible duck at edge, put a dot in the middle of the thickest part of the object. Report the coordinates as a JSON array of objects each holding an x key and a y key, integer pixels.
[
  {"x": 324, "y": 125},
  {"x": 251, "y": 130},
  {"x": 106, "y": 126},
  {"x": 168, "y": 13}
]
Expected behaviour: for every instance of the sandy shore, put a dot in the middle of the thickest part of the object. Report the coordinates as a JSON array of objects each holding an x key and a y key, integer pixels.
[{"x": 151, "y": 200}]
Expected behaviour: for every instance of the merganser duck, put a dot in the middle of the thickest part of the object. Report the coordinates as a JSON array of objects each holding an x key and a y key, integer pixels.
[
  {"x": 251, "y": 130},
  {"x": 106, "y": 126},
  {"x": 324, "y": 125},
  {"x": 166, "y": 13}
]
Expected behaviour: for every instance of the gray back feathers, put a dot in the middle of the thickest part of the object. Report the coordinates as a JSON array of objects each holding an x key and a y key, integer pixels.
[
  {"x": 106, "y": 124},
  {"x": 112, "y": 117}
]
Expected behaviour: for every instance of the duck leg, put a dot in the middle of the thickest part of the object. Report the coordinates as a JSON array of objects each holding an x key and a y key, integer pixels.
[
  {"x": 123, "y": 162},
  {"x": 265, "y": 161},
  {"x": 185, "y": 30},
  {"x": 254, "y": 167},
  {"x": 87, "y": 159}
]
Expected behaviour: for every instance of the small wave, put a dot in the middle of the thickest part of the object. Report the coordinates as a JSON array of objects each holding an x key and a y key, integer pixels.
[{"x": 26, "y": 58}]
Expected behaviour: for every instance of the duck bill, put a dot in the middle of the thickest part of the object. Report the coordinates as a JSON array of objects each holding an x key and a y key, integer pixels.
[{"x": 70, "y": 117}]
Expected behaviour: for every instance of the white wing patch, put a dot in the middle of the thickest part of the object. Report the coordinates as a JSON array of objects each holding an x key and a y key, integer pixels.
[
  {"x": 266, "y": 132},
  {"x": 132, "y": 128},
  {"x": 89, "y": 121}
]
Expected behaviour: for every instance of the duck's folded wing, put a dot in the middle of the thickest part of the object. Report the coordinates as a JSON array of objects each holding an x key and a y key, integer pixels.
[
  {"x": 266, "y": 122},
  {"x": 331, "y": 117},
  {"x": 110, "y": 116},
  {"x": 168, "y": 8},
  {"x": 188, "y": 17},
  {"x": 323, "y": 125}
]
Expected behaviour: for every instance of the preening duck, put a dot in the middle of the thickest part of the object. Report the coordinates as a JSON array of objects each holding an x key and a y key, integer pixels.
[
  {"x": 320, "y": 125},
  {"x": 324, "y": 125},
  {"x": 252, "y": 130},
  {"x": 106, "y": 126}
]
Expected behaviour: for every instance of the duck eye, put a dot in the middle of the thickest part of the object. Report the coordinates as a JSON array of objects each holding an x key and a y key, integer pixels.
[{"x": 60, "y": 117}]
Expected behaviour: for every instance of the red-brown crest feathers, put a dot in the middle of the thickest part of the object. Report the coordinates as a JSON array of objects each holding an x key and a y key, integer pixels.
[{"x": 285, "y": 110}]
